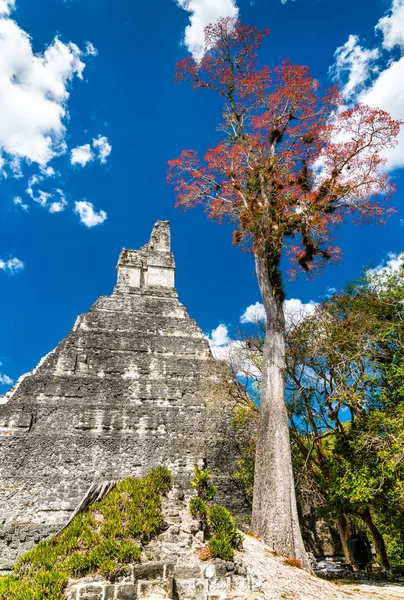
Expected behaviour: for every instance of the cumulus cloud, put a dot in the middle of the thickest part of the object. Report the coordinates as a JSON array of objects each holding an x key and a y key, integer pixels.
[
  {"x": 87, "y": 214},
  {"x": 253, "y": 313},
  {"x": 390, "y": 265},
  {"x": 59, "y": 205},
  {"x": 387, "y": 92},
  {"x": 102, "y": 147},
  {"x": 219, "y": 337},
  {"x": 11, "y": 265},
  {"x": 235, "y": 352},
  {"x": 355, "y": 64},
  {"x": 202, "y": 13},
  {"x": 295, "y": 312},
  {"x": 34, "y": 93},
  {"x": 392, "y": 26},
  {"x": 54, "y": 201},
  {"x": 6, "y": 7},
  {"x": 374, "y": 75},
  {"x": 18, "y": 202},
  {"x": 5, "y": 379},
  {"x": 238, "y": 354},
  {"x": 81, "y": 155},
  {"x": 90, "y": 49}
]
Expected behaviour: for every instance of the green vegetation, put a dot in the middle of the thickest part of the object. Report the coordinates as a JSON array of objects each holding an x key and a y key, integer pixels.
[
  {"x": 205, "y": 490},
  {"x": 345, "y": 399},
  {"x": 216, "y": 521},
  {"x": 102, "y": 540}
]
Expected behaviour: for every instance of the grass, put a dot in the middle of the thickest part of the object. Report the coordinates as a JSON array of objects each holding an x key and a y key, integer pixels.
[
  {"x": 103, "y": 540},
  {"x": 292, "y": 562}
]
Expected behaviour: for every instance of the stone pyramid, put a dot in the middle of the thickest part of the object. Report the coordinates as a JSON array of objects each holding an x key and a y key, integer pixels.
[{"x": 132, "y": 386}]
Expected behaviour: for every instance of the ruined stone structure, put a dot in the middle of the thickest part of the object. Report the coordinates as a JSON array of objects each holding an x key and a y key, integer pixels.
[
  {"x": 175, "y": 570},
  {"x": 131, "y": 387}
]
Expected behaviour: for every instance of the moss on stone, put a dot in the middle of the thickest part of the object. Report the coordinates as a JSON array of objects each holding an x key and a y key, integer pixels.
[{"x": 103, "y": 540}]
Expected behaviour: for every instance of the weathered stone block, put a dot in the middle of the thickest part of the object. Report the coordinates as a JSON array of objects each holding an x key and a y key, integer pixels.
[
  {"x": 185, "y": 589},
  {"x": 149, "y": 570},
  {"x": 187, "y": 572},
  {"x": 91, "y": 592},
  {"x": 155, "y": 590},
  {"x": 219, "y": 585},
  {"x": 126, "y": 592},
  {"x": 239, "y": 584},
  {"x": 109, "y": 593}
]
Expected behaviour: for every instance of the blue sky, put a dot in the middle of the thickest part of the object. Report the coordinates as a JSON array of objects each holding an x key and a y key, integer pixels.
[{"x": 89, "y": 117}]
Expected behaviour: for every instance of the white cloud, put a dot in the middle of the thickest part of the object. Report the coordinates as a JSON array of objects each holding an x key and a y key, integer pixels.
[
  {"x": 53, "y": 201},
  {"x": 375, "y": 77},
  {"x": 33, "y": 93},
  {"x": 102, "y": 147},
  {"x": 87, "y": 214},
  {"x": 81, "y": 155},
  {"x": 391, "y": 265},
  {"x": 202, "y": 13},
  {"x": 47, "y": 172},
  {"x": 392, "y": 26},
  {"x": 45, "y": 198},
  {"x": 241, "y": 358},
  {"x": 58, "y": 205},
  {"x": 5, "y": 379},
  {"x": 6, "y": 7},
  {"x": 296, "y": 311},
  {"x": 387, "y": 92},
  {"x": 219, "y": 337},
  {"x": 253, "y": 313},
  {"x": 18, "y": 202},
  {"x": 11, "y": 265},
  {"x": 234, "y": 352},
  {"x": 42, "y": 197},
  {"x": 90, "y": 49},
  {"x": 355, "y": 64}
]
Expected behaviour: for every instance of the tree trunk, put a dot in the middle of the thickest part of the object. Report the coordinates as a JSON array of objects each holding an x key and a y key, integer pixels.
[
  {"x": 378, "y": 539},
  {"x": 275, "y": 518},
  {"x": 344, "y": 533}
]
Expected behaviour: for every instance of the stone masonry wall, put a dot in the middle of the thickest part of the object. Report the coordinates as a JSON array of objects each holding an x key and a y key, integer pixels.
[{"x": 131, "y": 387}]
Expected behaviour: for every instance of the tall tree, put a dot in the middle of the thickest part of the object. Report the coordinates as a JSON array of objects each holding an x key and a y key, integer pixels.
[{"x": 292, "y": 163}]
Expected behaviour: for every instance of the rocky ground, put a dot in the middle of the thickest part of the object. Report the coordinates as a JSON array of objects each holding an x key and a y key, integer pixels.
[
  {"x": 282, "y": 581},
  {"x": 175, "y": 569}
]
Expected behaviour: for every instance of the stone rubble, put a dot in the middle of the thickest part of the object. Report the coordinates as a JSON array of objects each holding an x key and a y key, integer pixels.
[{"x": 175, "y": 571}]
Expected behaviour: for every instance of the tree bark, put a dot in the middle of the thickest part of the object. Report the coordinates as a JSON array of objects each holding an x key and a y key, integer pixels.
[
  {"x": 344, "y": 533},
  {"x": 274, "y": 517},
  {"x": 378, "y": 539}
]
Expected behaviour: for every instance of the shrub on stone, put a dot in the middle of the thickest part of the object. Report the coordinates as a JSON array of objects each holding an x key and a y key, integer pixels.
[
  {"x": 102, "y": 540},
  {"x": 216, "y": 521}
]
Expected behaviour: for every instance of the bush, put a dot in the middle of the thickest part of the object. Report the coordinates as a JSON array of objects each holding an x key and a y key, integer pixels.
[
  {"x": 198, "y": 508},
  {"x": 103, "y": 540},
  {"x": 223, "y": 526},
  {"x": 205, "y": 490},
  {"x": 221, "y": 548},
  {"x": 216, "y": 521}
]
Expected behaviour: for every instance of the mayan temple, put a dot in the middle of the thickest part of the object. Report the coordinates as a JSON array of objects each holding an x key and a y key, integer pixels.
[{"x": 131, "y": 387}]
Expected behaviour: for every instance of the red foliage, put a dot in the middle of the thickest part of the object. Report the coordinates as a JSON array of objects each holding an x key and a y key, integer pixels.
[{"x": 292, "y": 162}]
